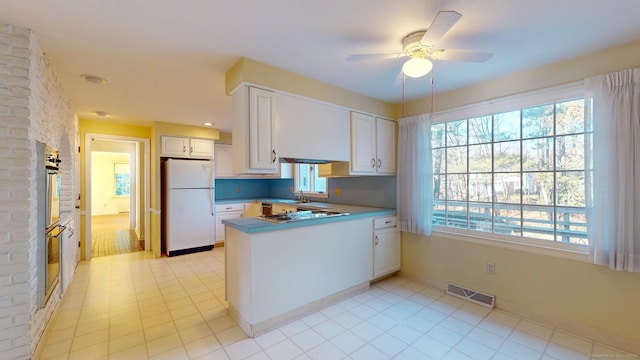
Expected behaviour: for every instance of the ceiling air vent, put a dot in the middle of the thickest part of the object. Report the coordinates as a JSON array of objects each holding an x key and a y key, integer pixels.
[{"x": 471, "y": 295}]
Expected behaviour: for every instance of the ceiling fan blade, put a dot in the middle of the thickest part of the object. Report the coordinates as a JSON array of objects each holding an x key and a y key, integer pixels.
[
  {"x": 368, "y": 57},
  {"x": 462, "y": 55},
  {"x": 440, "y": 25}
]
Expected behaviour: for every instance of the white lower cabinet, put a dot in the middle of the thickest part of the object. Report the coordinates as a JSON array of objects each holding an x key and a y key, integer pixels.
[
  {"x": 225, "y": 212},
  {"x": 386, "y": 246}
]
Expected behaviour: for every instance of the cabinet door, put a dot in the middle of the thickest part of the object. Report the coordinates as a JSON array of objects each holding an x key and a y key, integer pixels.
[
  {"x": 386, "y": 146},
  {"x": 220, "y": 226},
  {"x": 363, "y": 143},
  {"x": 386, "y": 251},
  {"x": 175, "y": 146},
  {"x": 201, "y": 148},
  {"x": 262, "y": 150}
]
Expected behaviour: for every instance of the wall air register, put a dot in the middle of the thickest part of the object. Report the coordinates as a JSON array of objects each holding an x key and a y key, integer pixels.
[{"x": 471, "y": 295}]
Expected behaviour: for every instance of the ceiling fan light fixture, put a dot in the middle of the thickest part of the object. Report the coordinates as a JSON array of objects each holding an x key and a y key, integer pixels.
[{"x": 417, "y": 67}]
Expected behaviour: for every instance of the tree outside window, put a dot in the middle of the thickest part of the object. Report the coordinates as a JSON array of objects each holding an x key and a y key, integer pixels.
[{"x": 122, "y": 180}]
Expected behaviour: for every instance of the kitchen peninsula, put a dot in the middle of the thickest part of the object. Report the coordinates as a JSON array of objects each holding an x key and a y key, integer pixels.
[{"x": 277, "y": 272}]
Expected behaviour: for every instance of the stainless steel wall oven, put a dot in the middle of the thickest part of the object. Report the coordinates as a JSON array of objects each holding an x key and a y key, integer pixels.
[{"x": 49, "y": 229}]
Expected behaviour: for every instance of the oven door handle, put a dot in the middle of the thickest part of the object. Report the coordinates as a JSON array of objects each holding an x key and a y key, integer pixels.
[{"x": 61, "y": 229}]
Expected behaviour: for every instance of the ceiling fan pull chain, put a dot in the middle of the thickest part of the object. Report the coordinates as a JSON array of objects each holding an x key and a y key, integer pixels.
[{"x": 431, "y": 111}]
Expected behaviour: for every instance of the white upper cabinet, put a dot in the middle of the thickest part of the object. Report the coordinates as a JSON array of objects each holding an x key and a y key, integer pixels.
[
  {"x": 310, "y": 129},
  {"x": 178, "y": 146},
  {"x": 373, "y": 145},
  {"x": 363, "y": 143},
  {"x": 254, "y": 141},
  {"x": 386, "y": 146}
]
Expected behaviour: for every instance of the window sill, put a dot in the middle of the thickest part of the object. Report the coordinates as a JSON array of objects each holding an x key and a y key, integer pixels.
[{"x": 534, "y": 246}]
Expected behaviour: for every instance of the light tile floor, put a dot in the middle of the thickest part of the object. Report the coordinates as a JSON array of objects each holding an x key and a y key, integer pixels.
[{"x": 133, "y": 306}]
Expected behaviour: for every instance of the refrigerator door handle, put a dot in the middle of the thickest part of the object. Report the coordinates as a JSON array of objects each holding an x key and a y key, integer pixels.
[{"x": 212, "y": 189}]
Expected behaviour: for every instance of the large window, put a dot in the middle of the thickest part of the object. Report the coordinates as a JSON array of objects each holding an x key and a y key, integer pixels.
[
  {"x": 121, "y": 179},
  {"x": 307, "y": 180},
  {"x": 519, "y": 173}
]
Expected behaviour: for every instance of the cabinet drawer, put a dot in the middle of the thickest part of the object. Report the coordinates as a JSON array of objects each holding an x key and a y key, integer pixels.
[
  {"x": 384, "y": 222},
  {"x": 229, "y": 207}
]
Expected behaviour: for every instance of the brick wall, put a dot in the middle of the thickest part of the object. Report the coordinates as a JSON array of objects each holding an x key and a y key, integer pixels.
[{"x": 32, "y": 107}]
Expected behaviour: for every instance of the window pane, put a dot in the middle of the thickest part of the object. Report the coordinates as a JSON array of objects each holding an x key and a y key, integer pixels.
[
  {"x": 480, "y": 217},
  {"x": 439, "y": 183},
  {"x": 506, "y": 126},
  {"x": 121, "y": 179},
  {"x": 570, "y": 152},
  {"x": 506, "y": 156},
  {"x": 570, "y": 188},
  {"x": 507, "y": 188},
  {"x": 456, "y": 187},
  {"x": 506, "y": 219},
  {"x": 437, "y": 135},
  {"x": 537, "y": 154},
  {"x": 457, "y": 133},
  {"x": 438, "y": 216},
  {"x": 319, "y": 183},
  {"x": 572, "y": 226},
  {"x": 438, "y": 161},
  {"x": 457, "y": 215},
  {"x": 537, "y": 222},
  {"x": 480, "y": 130},
  {"x": 570, "y": 117},
  {"x": 304, "y": 180},
  {"x": 480, "y": 187},
  {"x": 537, "y": 121},
  {"x": 537, "y": 188},
  {"x": 480, "y": 158},
  {"x": 457, "y": 159}
]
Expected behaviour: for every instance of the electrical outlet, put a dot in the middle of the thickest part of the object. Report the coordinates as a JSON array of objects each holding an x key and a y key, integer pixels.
[{"x": 491, "y": 268}]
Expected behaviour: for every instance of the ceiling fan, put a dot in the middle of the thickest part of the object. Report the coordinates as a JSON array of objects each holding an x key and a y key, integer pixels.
[{"x": 420, "y": 46}]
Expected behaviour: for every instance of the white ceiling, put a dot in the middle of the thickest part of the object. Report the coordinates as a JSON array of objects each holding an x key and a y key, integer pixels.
[{"x": 165, "y": 60}]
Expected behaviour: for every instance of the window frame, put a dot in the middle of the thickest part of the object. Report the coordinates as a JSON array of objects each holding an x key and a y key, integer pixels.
[
  {"x": 115, "y": 179},
  {"x": 314, "y": 170},
  {"x": 502, "y": 105}
]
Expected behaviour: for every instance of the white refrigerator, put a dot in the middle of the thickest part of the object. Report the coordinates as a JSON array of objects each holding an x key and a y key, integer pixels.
[{"x": 189, "y": 211}]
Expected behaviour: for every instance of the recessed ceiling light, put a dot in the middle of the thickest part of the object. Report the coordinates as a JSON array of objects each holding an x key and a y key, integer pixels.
[
  {"x": 93, "y": 79},
  {"x": 102, "y": 113},
  {"x": 208, "y": 123}
]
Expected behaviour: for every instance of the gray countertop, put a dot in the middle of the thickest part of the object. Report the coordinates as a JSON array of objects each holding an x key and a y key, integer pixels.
[{"x": 255, "y": 225}]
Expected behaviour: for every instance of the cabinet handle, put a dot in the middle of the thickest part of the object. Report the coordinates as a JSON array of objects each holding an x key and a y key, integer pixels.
[
  {"x": 273, "y": 161},
  {"x": 379, "y": 163},
  {"x": 376, "y": 240},
  {"x": 184, "y": 148},
  {"x": 191, "y": 149},
  {"x": 373, "y": 163},
  {"x": 388, "y": 222},
  {"x": 229, "y": 208}
]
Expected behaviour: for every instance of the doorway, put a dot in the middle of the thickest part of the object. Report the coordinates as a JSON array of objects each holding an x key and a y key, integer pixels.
[{"x": 117, "y": 193}]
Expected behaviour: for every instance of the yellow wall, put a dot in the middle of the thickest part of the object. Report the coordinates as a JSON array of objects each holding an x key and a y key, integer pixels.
[
  {"x": 578, "y": 291},
  {"x": 247, "y": 70}
]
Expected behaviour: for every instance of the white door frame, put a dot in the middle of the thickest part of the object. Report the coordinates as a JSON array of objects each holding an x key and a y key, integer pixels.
[{"x": 87, "y": 193}]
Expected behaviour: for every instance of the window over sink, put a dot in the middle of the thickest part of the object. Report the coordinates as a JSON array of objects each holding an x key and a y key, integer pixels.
[{"x": 307, "y": 180}]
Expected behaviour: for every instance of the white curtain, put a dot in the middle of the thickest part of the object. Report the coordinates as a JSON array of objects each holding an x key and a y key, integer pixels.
[
  {"x": 415, "y": 175},
  {"x": 614, "y": 211}
]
